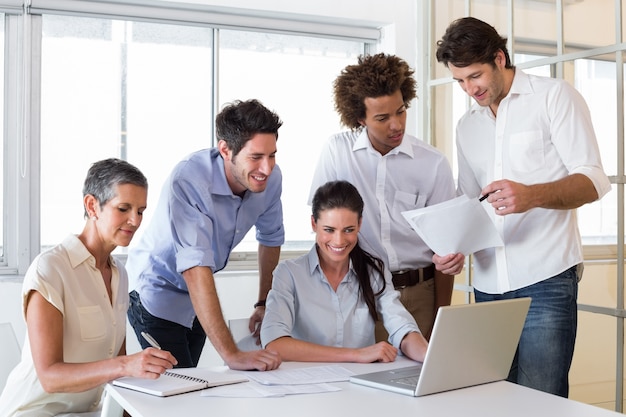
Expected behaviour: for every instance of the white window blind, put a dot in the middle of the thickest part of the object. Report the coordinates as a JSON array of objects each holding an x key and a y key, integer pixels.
[
  {"x": 11, "y": 6},
  {"x": 214, "y": 16}
]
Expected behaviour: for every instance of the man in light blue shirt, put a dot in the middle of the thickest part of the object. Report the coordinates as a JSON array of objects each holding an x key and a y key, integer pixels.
[{"x": 207, "y": 205}]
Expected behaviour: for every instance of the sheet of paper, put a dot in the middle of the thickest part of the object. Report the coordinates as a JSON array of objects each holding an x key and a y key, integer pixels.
[
  {"x": 253, "y": 389},
  {"x": 460, "y": 225},
  {"x": 308, "y": 375}
]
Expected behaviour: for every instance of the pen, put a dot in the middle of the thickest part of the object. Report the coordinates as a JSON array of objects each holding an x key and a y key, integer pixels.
[
  {"x": 150, "y": 340},
  {"x": 483, "y": 197}
]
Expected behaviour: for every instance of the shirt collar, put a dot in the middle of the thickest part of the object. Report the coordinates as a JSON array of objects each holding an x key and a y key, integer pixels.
[
  {"x": 363, "y": 142},
  {"x": 78, "y": 253},
  {"x": 521, "y": 85},
  {"x": 316, "y": 270},
  {"x": 220, "y": 184}
]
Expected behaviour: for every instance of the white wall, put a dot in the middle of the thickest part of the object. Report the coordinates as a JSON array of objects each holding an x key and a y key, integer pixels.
[{"x": 238, "y": 292}]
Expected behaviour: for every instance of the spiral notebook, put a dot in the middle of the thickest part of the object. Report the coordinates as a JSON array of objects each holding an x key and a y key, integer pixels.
[{"x": 179, "y": 381}]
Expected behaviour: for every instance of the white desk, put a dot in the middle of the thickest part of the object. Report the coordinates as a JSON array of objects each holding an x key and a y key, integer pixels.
[{"x": 490, "y": 400}]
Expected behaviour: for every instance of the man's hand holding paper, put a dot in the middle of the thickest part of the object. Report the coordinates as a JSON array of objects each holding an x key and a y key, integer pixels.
[{"x": 460, "y": 225}]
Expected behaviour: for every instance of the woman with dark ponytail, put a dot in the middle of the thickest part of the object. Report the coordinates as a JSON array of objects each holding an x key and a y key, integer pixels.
[{"x": 323, "y": 305}]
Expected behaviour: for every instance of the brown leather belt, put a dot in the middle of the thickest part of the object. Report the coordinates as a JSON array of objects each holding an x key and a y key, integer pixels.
[{"x": 410, "y": 277}]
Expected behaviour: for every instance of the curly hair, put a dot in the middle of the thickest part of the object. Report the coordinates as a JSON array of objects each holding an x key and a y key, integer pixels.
[
  {"x": 374, "y": 76},
  {"x": 468, "y": 41}
]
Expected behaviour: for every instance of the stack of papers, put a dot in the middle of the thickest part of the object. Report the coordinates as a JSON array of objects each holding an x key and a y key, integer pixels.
[{"x": 281, "y": 382}]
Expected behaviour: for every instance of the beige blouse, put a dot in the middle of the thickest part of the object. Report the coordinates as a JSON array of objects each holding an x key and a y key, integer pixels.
[{"x": 93, "y": 329}]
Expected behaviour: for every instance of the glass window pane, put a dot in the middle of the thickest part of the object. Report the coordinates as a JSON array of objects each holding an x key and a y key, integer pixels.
[
  {"x": 595, "y": 80},
  {"x": 592, "y": 375},
  {"x": 449, "y": 103},
  {"x": 292, "y": 76},
  {"x": 444, "y": 12},
  {"x": 3, "y": 237},
  {"x": 578, "y": 19},
  {"x": 534, "y": 28},
  {"x": 543, "y": 70},
  {"x": 137, "y": 91}
]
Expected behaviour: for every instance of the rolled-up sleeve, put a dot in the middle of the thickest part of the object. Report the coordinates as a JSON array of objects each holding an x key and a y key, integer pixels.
[
  {"x": 280, "y": 306},
  {"x": 574, "y": 137},
  {"x": 192, "y": 228}
]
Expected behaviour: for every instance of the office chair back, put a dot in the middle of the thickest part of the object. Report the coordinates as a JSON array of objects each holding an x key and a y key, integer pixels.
[{"x": 241, "y": 334}]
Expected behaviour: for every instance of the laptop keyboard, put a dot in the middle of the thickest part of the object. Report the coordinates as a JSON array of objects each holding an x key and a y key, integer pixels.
[{"x": 410, "y": 381}]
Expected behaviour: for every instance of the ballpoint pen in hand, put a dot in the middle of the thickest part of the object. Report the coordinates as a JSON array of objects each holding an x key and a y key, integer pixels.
[
  {"x": 483, "y": 197},
  {"x": 150, "y": 340}
]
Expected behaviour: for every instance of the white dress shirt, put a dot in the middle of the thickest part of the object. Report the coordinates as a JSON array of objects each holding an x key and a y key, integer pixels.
[
  {"x": 412, "y": 175},
  {"x": 542, "y": 133}
]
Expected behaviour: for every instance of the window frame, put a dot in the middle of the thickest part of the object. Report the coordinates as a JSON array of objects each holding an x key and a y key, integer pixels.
[
  {"x": 22, "y": 143},
  {"x": 20, "y": 190}
]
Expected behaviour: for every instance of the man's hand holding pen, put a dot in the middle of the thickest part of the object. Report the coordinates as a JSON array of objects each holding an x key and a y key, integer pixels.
[{"x": 508, "y": 197}]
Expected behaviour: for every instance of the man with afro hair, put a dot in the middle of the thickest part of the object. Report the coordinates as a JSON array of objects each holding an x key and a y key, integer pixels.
[{"x": 394, "y": 172}]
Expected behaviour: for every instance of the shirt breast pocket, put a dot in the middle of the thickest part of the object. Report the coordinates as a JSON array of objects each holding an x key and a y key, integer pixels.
[
  {"x": 526, "y": 152},
  {"x": 92, "y": 324},
  {"x": 407, "y": 201}
]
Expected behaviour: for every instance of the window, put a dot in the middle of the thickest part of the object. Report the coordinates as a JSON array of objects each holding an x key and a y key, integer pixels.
[
  {"x": 145, "y": 92},
  {"x": 293, "y": 76},
  {"x": 136, "y": 91},
  {"x": 3, "y": 156}
]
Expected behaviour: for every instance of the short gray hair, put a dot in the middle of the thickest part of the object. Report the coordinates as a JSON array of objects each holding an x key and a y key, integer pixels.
[{"x": 104, "y": 176}]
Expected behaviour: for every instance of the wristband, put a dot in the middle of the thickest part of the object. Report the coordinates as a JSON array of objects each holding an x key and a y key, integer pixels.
[{"x": 260, "y": 303}]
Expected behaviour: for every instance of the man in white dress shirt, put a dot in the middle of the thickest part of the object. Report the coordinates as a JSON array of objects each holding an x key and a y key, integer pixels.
[
  {"x": 528, "y": 144},
  {"x": 393, "y": 172}
]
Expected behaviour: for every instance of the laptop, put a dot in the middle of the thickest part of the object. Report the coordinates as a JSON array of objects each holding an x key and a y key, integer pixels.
[{"x": 471, "y": 344}]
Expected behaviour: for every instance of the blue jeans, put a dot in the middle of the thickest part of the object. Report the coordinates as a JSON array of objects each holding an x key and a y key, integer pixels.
[
  {"x": 546, "y": 347},
  {"x": 184, "y": 343}
]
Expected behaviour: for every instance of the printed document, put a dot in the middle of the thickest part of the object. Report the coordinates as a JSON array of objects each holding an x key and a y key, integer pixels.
[
  {"x": 460, "y": 225},
  {"x": 307, "y": 375}
]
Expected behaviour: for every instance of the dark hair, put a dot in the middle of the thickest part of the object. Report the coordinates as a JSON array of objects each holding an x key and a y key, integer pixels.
[
  {"x": 342, "y": 194},
  {"x": 240, "y": 120},
  {"x": 104, "y": 176},
  {"x": 374, "y": 76},
  {"x": 468, "y": 41}
]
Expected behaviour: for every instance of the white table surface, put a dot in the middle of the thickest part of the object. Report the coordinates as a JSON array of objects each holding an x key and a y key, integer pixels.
[{"x": 495, "y": 399}]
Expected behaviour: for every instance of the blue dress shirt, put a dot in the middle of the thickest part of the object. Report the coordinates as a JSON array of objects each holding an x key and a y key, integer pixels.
[
  {"x": 198, "y": 221},
  {"x": 303, "y": 305}
]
